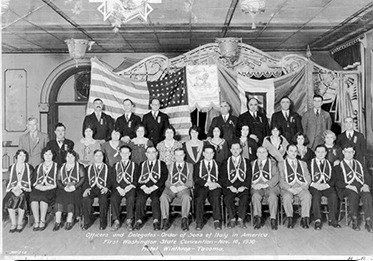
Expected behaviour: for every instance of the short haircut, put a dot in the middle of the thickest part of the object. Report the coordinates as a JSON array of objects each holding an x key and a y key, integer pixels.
[
  {"x": 97, "y": 99},
  {"x": 59, "y": 125},
  {"x": 348, "y": 145},
  {"x": 327, "y": 132},
  {"x": 169, "y": 127},
  {"x": 208, "y": 146},
  {"x": 318, "y": 96},
  {"x": 45, "y": 149},
  {"x": 234, "y": 141},
  {"x": 24, "y": 152},
  {"x": 99, "y": 150},
  {"x": 74, "y": 153},
  {"x": 154, "y": 98},
  {"x": 125, "y": 147},
  {"x": 278, "y": 127},
  {"x": 252, "y": 98},
  {"x": 150, "y": 147},
  {"x": 140, "y": 125},
  {"x": 195, "y": 128},
  {"x": 306, "y": 140},
  {"x": 32, "y": 118},
  {"x": 321, "y": 146},
  {"x": 220, "y": 129},
  {"x": 179, "y": 149},
  {"x": 128, "y": 99},
  {"x": 286, "y": 97},
  {"x": 291, "y": 145},
  {"x": 91, "y": 127}
]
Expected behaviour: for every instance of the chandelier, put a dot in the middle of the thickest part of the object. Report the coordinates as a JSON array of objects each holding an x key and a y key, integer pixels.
[
  {"x": 253, "y": 7},
  {"x": 122, "y": 11}
]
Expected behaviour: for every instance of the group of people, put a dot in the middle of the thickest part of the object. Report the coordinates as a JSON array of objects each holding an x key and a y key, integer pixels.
[{"x": 246, "y": 157}]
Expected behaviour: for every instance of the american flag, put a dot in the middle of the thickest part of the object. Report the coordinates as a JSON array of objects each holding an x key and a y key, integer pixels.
[
  {"x": 113, "y": 89},
  {"x": 172, "y": 94}
]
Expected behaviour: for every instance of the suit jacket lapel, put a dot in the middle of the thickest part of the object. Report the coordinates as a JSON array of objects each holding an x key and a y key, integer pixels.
[{"x": 37, "y": 140}]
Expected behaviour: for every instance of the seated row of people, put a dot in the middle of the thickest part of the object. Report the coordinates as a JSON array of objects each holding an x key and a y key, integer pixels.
[{"x": 72, "y": 187}]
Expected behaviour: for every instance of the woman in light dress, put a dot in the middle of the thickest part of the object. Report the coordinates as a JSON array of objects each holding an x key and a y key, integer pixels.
[
  {"x": 276, "y": 144},
  {"x": 167, "y": 146},
  {"x": 139, "y": 145}
]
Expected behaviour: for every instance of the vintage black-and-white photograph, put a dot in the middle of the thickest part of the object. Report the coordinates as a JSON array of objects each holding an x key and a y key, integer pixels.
[{"x": 159, "y": 129}]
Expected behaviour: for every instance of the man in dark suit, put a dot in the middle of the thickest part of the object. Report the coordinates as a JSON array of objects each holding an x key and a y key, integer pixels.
[
  {"x": 289, "y": 121},
  {"x": 257, "y": 122},
  {"x": 101, "y": 122},
  {"x": 354, "y": 138},
  {"x": 60, "y": 145},
  {"x": 155, "y": 122},
  {"x": 127, "y": 122},
  {"x": 226, "y": 121}
]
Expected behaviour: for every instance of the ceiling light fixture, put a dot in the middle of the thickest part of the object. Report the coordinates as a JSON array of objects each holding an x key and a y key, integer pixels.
[
  {"x": 78, "y": 47},
  {"x": 123, "y": 11},
  {"x": 253, "y": 7}
]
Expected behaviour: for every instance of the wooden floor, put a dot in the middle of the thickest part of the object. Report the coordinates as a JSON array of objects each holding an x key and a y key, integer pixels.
[{"x": 157, "y": 244}]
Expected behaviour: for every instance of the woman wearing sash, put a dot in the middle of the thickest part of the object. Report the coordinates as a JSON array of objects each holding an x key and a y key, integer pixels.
[
  {"x": 304, "y": 153},
  {"x": 139, "y": 145},
  {"x": 276, "y": 144},
  {"x": 220, "y": 145},
  {"x": 18, "y": 189},
  {"x": 86, "y": 146},
  {"x": 44, "y": 188},
  {"x": 69, "y": 194},
  {"x": 193, "y": 147},
  {"x": 167, "y": 147},
  {"x": 249, "y": 145},
  {"x": 334, "y": 152}
]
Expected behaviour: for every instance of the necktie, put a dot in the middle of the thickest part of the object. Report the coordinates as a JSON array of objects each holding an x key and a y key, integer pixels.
[
  {"x": 60, "y": 143},
  {"x": 155, "y": 115},
  {"x": 286, "y": 115},
  {"x": 255, "y": 115},
  {"x": 225, "y": 118},
  {"x": 317, "y": 113},
  {"x": 321, "y": 165},
  {"x": 179, "y": 167},
  {"x": 127, "y": 117},
  {"x": 209, "y": 166},
  {"x": 293, "y": 164},
  {"x": 98, "y": 168},
  {"x": 260, "y": 165},
  {"x": 151, "y": 166},
  {"x": 349, "y": 135}
]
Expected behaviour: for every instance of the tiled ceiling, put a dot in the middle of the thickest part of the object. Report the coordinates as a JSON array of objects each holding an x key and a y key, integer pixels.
[{"x": 41, "y": 26}]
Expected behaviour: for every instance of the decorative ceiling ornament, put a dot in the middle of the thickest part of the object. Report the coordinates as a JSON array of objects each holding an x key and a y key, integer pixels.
[
  {"x": 253, "y": 7},
  {"x": 124, "y": 10},
  {"x": 78, "y": 47},
  {"x": 4, "y": 4},
  {"x": 229, "y": 48}
]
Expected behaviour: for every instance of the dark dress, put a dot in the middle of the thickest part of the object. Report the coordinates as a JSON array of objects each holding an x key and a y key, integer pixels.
[
  {"x": 47, "y": 196},
  {"x": 63, "y": 198},
  {"x": 221, "y": 150},
  {"x": 193, "y": 153},
  {"x": 308, "y": 156},
  {"x": 11, "y": 201},
  {"x": 333, "y": 154},
  {"x": 112, "y": 155}
]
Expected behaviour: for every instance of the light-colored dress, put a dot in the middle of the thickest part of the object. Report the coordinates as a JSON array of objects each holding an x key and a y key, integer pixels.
[
  {"x": 85, "y": 151},
  {"x": 166, "y": 154}
]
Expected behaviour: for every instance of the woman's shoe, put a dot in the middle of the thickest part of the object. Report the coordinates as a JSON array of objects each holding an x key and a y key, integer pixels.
[
  {"x": 57, "y": 226},
  {"x": 20, "y": 228},
  {"x": 41, "y": 225},
  {"x": 68, "y": 226},
  {"x": 13, "y": 229},
  {"x": 36, "y": 226}
]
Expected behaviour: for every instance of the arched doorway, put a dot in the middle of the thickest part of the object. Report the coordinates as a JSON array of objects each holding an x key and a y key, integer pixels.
[{"x": 50, "y": 103}]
